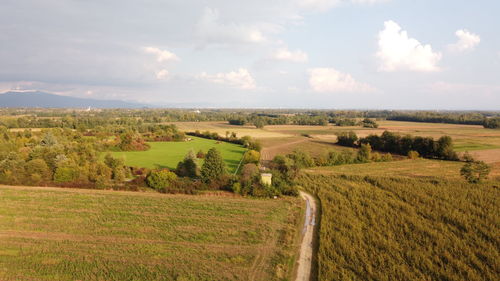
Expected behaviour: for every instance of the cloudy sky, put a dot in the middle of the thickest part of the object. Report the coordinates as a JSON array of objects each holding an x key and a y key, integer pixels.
[{"x": 424, "y": 54}]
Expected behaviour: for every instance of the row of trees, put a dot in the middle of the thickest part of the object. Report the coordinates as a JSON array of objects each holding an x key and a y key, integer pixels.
[
  {"x": 394, "y": 143},
  {"x": 230, "y": 137},
  {"x": 83, "y": 120}
]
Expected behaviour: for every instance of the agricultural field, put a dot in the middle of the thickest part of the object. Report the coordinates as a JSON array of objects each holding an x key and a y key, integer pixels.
[
  {"x": 483, "y": 143},
  {"x": 222, "y": 127},
  {"x": 168, "y": 154},
  {"x": 405, "y": 220},
  {"x": 418, "y": 168},
  {"x": 68, "y": 234}
]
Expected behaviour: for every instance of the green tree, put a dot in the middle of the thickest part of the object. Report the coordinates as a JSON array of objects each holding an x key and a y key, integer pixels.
[
  {"x": 475, "y": 172},
  {"x": 39, "y": 167},
  {"x": 213, "y": 167},
  {"x": 347, "y": 138},
  {"x": 66, "y": 174},
  {"x": 188, "y": 167}
]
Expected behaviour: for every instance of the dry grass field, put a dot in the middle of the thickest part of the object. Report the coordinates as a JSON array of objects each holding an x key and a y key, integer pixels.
[
  {"x": 68, "y": 234},
  {"x": 222, "y": 127}
]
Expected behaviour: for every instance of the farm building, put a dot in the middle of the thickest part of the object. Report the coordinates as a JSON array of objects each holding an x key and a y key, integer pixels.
[{"x": 266, "y": 178}]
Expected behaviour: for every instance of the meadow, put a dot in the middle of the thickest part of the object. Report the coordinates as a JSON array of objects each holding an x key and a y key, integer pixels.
[
  {"x": 68, "y": 234},
  {"x": 168, "y": 154},
  {"x": 393, "y": 223}
]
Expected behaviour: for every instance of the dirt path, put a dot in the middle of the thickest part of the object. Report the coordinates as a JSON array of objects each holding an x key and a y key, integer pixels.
[{"x": 306, "y": 248}]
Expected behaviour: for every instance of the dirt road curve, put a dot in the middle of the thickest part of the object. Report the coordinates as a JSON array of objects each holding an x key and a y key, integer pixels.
[{"x": 306, "y": 247}]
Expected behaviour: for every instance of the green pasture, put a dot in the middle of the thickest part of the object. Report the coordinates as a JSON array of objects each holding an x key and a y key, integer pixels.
[{"x": 168, "y": 154}]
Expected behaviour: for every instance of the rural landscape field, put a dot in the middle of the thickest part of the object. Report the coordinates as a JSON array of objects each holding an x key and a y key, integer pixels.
[
  {"x": 299, "y": 140},
  {"x": 92, "y": 235}
]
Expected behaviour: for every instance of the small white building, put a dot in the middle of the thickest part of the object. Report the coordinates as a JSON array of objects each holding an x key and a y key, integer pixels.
[{"x": 266, "y": 178}]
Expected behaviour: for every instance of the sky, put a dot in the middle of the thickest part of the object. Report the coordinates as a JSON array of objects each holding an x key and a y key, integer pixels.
[{"x": 326, "y": 54}]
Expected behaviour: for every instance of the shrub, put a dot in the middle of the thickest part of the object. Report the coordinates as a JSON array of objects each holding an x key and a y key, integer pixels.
[
  {"x": 475, "y": 172},
  {"x": 364, "y": 153},
  {"x": 251, "y": 156},
  {"x": 65, "y": 174},
  {"x": 347, "y": 138},
  {"x": 412, "y": 154},
  {"x": 369, "y": 123},
  {"x": 376, "y": 157},
  {"x": 387, "y": 157},
  {"x": 160, "y": 179},
  {"x": 302, "y": 159},
  {"x": 200, "y": 154}
]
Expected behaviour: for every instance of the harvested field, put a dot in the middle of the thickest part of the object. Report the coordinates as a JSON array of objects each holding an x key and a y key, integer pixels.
[
  {"x": 419, "y": 168},
  {"x": 312, "y": 146},
  {"x": 222, "y": 127},
  {"x": 67, "y": 234}
]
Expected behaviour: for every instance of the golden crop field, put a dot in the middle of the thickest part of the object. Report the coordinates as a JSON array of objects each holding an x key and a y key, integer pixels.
[{"x": 405, "y": 220}]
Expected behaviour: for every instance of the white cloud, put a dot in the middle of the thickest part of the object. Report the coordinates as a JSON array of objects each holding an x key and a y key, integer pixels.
[
  {"x": 241, "y": 79},
  {"x": 283, "y": 54},
  {"x": 325, "y": 80},
  {"x": 318, "y": 5},
  {"x": 212, "y": 31},
  {"x": 162, "y": 74},
  {"x": 161, "y": 55},
  {"x": 467, "y": 41},
  {"x": 397, "y": 51},
  {"x": 324, "y": 5}
]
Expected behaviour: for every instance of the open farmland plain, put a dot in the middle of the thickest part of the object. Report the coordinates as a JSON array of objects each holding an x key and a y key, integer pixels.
[
  {"x": 483, "y": 144},
  {"x": 168, "y": 154},
  {"x": 405, "y": 220},
  {"x": 58, "y": 234}
]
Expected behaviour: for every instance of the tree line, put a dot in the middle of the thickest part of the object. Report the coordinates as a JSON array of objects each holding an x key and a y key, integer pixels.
[
  {"x": 394, "y": 143},
  {"x": 80, "y": 119}
]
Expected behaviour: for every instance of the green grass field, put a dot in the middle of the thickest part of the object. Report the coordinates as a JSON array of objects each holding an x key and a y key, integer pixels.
[
  {"x": 68, "y": 234},
  {"x": 168, "y": 154}
]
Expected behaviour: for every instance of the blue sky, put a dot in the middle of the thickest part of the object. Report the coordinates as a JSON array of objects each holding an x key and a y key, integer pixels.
[{"x": 408, "y": 54}]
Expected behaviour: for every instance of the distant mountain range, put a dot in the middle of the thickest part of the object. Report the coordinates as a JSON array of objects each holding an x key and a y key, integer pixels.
[{"x": 46, "y": 100}]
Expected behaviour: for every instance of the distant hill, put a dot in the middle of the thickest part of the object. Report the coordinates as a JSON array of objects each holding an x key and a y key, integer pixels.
[{"x": 41, "y": 99}]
